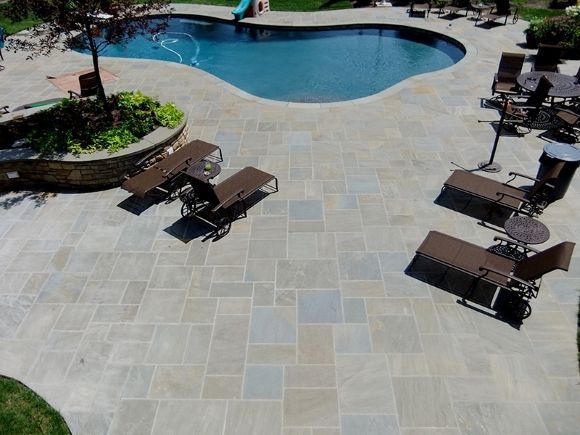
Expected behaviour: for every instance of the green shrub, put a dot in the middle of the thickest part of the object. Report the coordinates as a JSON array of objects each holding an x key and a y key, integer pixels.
[
  {"x": 168, "y": 115},
  {"x": 83, "y": 126},
  {"x": 562, "y": 30}
]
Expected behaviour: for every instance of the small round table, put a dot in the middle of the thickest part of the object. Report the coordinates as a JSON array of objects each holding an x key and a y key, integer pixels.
[
  {"x": 198, "y": 172},
  {"x": 564, "y": 86},
  {"x": 526, "y": 230}
]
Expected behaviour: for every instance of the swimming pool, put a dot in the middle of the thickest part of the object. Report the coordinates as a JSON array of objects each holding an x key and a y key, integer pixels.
[{"x": 286, "y": 64}]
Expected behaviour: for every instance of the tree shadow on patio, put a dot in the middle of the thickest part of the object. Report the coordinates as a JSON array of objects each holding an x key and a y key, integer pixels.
[
  {"x": 499, "y": 304},
  {"x": 13, "y": 199}
]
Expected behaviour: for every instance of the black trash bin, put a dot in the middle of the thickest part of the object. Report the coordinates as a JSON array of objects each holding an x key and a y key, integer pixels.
[{"x": 560, "y": 152}]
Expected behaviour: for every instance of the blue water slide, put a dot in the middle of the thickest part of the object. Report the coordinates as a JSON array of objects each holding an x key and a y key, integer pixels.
[{"x": 241, "y": 9}]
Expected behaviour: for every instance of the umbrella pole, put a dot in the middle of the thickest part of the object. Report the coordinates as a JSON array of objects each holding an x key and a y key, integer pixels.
[{"x": 490, "y": 166}]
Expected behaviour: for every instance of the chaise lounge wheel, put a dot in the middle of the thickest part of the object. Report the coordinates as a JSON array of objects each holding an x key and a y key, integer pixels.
[
  {"x": 184, "y": 192},
  {"x": 187, "y": 209},
  {"x": 223, "y": 227},
  {"x": 523, "y": 311}
]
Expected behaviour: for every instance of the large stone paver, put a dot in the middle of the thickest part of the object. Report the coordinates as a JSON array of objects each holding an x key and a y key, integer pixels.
[{"x": 301, "y": 320}]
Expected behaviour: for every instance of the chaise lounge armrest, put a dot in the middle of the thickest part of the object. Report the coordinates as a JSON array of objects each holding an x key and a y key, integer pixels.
[
  {"x": 509, "y": 276},
  {"x": 228, "y": 200},
  {"x": 535, "y": 180},
  {"x": 504, "y": 194},
  {"x": 519, "y": 174}
]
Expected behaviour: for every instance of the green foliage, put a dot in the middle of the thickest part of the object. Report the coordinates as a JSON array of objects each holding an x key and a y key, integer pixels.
[
  {"x": 137, "y": 112},
  {"x": 168, "y": 115},
  {"x": 530, "y": 14},
  {"x": 15, "y": 26},
  {"x": 115, "y": 139},
  {"x": 84, "y": 126},
  {"x": 562, "y": 30},
  {"x": 282, "y": 5},
  {"x": 23, "y": 412}
]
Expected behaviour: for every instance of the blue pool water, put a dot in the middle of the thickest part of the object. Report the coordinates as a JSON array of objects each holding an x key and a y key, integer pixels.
[{"x": 297, "y": 65}]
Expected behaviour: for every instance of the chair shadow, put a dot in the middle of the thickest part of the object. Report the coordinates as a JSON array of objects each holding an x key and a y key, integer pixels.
[
  {"x": 490, "y": 301},
  {"x": 488, "y": 25},
  {"x": 450, "y": 16},
  {"x": 185, "y": 230},
  {"x": 485, "y": 211},
  {"x": 188, "y": 229},
  {"x": 558, "y": 136},
  {"x": 136, "y": 205}
]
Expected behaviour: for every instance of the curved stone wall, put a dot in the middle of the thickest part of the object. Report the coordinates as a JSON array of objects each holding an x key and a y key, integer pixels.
[{"x": 23, "y": 167}]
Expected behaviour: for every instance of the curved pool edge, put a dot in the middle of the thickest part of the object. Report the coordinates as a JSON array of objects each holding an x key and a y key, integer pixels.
[{"x": 263, "y": 21}]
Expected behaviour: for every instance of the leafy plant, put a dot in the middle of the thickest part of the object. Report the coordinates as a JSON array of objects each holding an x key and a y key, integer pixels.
[
  {"x": 168, "y": 115},
  {"x": 115, "y": 139},
  {"x": 84, "y": 126},
  {"x": 573, "y": 11},
  {"x": 562, "y": 30}
]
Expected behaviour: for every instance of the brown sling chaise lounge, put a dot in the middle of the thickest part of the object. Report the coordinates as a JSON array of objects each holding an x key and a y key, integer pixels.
[
  {"x": 165, "y": 174},
  {"x": 531, "y": 202},
  {"x": 501, "y": 10},
  {"x": 220, "y": 205},
  {"x": 522, "y": 277},
  {"x": 456, "y": 6},
  {"x": 419, "y": 7}
]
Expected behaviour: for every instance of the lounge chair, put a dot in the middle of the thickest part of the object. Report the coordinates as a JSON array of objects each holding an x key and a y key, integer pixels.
[
  {"x": 531, "y": 202},
  {"x": 456, "y": 6},
  {"x": 548, "y": 58},
  {"x": 521, "y": 277},
  {"x": 166, "y": 175},
  {"x": 419, "y": 7},
  {"x": 220, "y": 205},
  {"x": 510, "y": 67},
  {"x": 502, "y": 9},
  {"x": 88, "y": 84}
]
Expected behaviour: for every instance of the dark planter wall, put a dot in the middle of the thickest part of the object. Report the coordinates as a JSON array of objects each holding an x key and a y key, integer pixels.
[{"x": 22, "y": 167}]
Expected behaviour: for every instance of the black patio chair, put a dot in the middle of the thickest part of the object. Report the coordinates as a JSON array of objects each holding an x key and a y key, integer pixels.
[{"x": 527, "y": 112}]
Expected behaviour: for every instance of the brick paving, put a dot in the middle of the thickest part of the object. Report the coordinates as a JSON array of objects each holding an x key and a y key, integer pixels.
[{"x": 301, "y": 321}]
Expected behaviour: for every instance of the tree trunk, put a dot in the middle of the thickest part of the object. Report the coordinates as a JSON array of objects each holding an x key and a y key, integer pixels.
[{"x": 95, "y": 54}]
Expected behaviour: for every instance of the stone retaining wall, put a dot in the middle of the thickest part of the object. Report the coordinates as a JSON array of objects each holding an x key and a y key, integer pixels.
[{"x": 24, "y": 168}]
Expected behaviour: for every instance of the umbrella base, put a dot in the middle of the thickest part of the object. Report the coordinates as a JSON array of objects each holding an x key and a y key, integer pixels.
[{"x": 489, "y": 166}]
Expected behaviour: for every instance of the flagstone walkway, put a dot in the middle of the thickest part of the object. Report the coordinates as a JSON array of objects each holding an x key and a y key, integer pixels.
[{"x": 301, "y": 321}]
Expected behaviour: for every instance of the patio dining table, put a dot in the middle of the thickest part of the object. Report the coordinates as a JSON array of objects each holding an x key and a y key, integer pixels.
[{"x": 564, "y": 86}]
